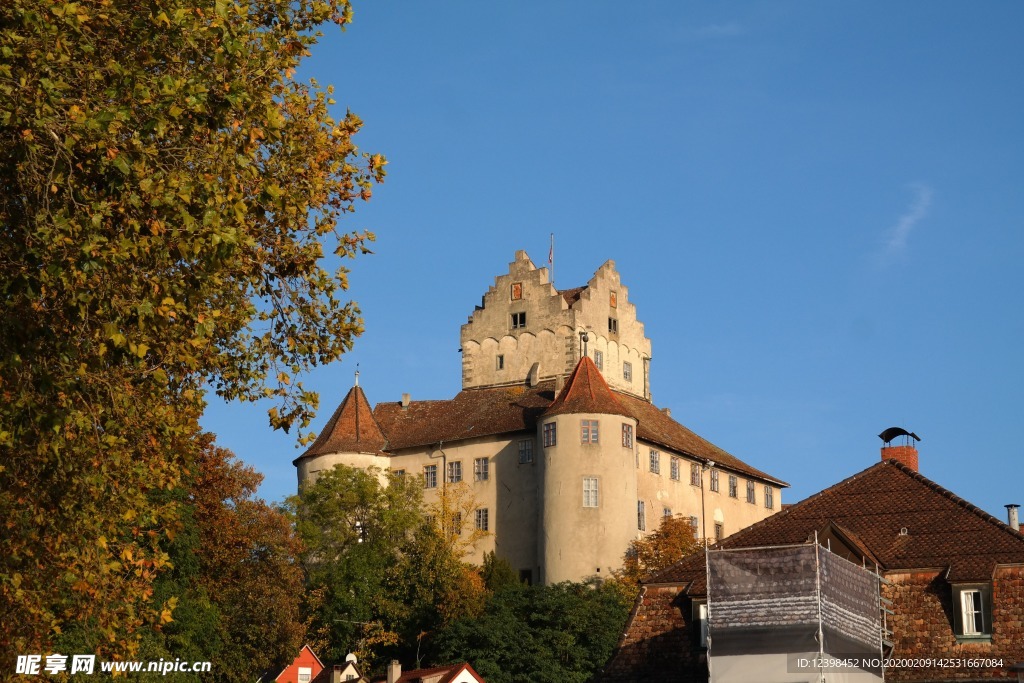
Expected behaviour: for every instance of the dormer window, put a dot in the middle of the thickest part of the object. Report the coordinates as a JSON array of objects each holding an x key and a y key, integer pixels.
[{"x": 972, "y": 611}]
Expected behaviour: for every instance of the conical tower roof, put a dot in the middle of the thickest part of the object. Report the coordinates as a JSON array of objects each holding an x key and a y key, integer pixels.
[
  {"x": 351, "y": 429},
  {"x": 586, "y": 392}
]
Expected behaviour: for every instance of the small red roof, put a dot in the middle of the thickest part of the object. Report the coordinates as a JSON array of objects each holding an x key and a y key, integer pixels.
[
  {"x": 586, "y": 392},
  {"x": 351, "y": 429}
]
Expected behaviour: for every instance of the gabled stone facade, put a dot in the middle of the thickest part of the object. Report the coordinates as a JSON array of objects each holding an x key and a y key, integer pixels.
[{"x": 527, "y": 322}]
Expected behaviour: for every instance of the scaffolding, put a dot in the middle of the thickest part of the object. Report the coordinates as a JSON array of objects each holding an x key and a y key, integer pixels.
[{"x": 795, "y": 613}]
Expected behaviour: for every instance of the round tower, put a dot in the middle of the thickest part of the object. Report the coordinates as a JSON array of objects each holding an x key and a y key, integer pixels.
[
  {"x": 589, "y": 507},
  {"x": 351, "y": 437}
]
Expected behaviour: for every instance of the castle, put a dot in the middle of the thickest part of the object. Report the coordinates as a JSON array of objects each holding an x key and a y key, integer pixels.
[{"x": 555, "y": 431}]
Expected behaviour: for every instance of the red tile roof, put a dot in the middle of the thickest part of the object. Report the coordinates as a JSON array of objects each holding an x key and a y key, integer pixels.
[
  {"x": 872, "y": 508},
  {"x": 472, "y": 413},
  {"x": 657, "y": 427},
  {"x": 586, "y": 392},
  {"x": 351, "y": 429},
  {"x": 515, "y": 409}
]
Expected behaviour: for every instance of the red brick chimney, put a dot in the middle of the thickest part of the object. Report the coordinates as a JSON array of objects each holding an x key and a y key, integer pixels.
[{"x": 905, "y": 454}]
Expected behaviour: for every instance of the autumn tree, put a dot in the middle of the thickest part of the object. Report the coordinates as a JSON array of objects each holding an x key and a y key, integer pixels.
[
  {"x": 168, "y": 193},
  {"x": 235, "y": 575},
  {"x": 673, "y": 541},
  {"x": 452, "y": 514}
]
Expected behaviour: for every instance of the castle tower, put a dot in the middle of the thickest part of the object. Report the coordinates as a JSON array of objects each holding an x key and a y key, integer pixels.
[
  {"x": 589, "y": 510},
  {"x": 526, "y": 331},
  {"x": 351, "y": 437}
]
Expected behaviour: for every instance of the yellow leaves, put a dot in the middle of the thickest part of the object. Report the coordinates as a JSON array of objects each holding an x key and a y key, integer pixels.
[
  {"x": 139, "y": 350},
  {"x": 166, "y": 616},
  {"x": 102, "y": 542}
]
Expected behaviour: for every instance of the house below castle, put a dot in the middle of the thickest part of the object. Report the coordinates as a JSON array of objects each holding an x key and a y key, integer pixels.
[
  {"x": 555, "y": 432},
  {"x": 950, "y": 599}
]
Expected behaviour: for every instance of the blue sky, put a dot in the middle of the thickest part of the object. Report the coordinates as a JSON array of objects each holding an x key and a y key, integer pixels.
[{"x": 816, "y": 207}]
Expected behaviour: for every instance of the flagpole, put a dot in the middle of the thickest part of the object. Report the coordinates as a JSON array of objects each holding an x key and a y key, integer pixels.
[{"x": 551, "y": 258}]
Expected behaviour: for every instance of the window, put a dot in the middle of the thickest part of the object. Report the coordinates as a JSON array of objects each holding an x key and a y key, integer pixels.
[
  {"x": 641, "y": 518},
  {"x": 517, "y": 291},
  {"x": 714, "y": 480},
  {"x": 481, "y": 469},
  {"x": 694, "y": 474},
  {"x": 674, "y": 468},
  {"x": 655, "y": 462},
  {"x": 499, "y": 362},
  {"x": 627, "y": 371},
  {"x": 719, "y": 531},
  {"x": 599, "y": 359},
  {"x": 398, "y": 473},
  {"x": 305, "y": 674},
  {"x": 627, "y": 436},
  {"x": 973, "y": 616},
  {"x": 666, "y": 512},
  {"x": 430, "y": 477},
  {"x": 590, "y": 492},
  {"x": 518, "y": 320},
  {"x": 769, "y": 498},
  {"x": 457, "y": 524},
  {"x": 588, "y": 431},
  {"x": 549, "y": 434},
  {"x": 695, "y": 526},
  {"x": 972, "y": 608},
  {"x": 751, "y": 496},
  {"x": 733, "y": 484},
  {"x": 526, "y": 451},
  {"x": 700, "y": 616},
  {"x": 482, "y": 521},
  {"x": 454, "y": 472},
  {"x": 613, "y": 325}
]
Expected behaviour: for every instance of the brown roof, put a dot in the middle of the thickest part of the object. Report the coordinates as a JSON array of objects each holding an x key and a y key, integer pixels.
[
  {"x": 571, "y": 296},
  {"x": 657, "y": 427},
  {"x": 472, "y": 413},
  {"x": 505, "y": 410},
  {"x": 871, "y": 508},
  {"x": 586, "y": 392},
  {"x": 351, "y": 429}
]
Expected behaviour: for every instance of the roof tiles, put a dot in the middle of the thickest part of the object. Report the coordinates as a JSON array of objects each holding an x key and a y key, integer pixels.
[
  {"x": 492, "y": 411},
  {"x": 901, "y": 517}
]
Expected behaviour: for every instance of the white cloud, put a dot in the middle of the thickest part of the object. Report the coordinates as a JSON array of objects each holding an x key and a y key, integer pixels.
[{"x": 898, "y": 234}]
